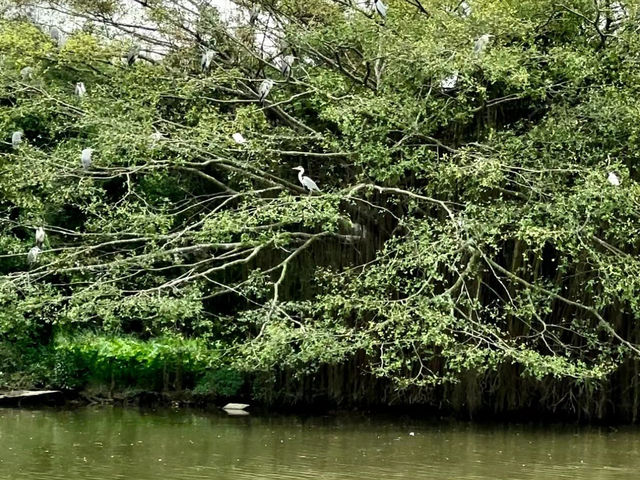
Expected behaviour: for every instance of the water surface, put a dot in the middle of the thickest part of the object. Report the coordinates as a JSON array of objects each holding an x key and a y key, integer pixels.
[{"x": 114, "y": 443}]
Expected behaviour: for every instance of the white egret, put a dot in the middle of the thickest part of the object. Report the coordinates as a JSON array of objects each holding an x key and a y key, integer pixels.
[
  {"x": 40, "y": 236},
  {"x": 27, "y": 73},
  {"x": 619, "y": 13},
  {"x": 32, "y": 256},
  {"x": 306, "y": 181},
  {"x": 613, "y": 179},
  {"x": 450, "y": 82},
  {"x": 207, "y": 58},
  {"x": 133, "y": 54},
  {"x": 264, "y": 89},
  {"x": 481, "y": 43},
  {"x": 465, "y": 9},
  {"x": 81, "y": 90},
  {"x": 85, "y": 158},
  {"x": 16, "y": 139},
  {"x": 381, "y": 8},
  {"x": 156, "y": 137},
  {"x": 57, "y": 36},
  {"x": 238, "y": 138}
]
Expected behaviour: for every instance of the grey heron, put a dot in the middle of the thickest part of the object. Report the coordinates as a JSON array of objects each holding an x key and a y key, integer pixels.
[
  {"x": 27, "y": 73},
  {"x": 481, "y": 43},
  {"x": 32, "y": 256},
  {"x": 450, "y": 82},
  {"x": 40, "y": 236},
  {"x": 613, "y": 179},
  {"x": 132, "y": 55},
  {"x": 254, "y": 13},
  {"x": 16, "y": 139},
  {"x": 85, "y": 158},
  {"x": 207, "y": 58},
  {"x": 238, "y": 138},
  {"x": 81, "y": 90},
  {"x": 381, "y": 8},
  {"x": 306, "y": 181},
  {"x": 285, "y": 64},
  {"x": 264, "y": 89},
  {"x": 57, "y": 36}
]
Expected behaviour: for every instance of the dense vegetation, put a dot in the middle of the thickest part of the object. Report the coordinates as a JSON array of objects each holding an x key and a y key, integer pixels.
[{"x": 466, "y": 251}]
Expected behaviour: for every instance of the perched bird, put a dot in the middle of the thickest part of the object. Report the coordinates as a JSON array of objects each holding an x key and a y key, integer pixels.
[
  {"x": 285, "y": 65},
  {"x": 619, "y": 14},
  {"x": 465, "y": 9},
  {"x": 32, "y": 256},
  {"x": 254, "y": 13},
  {"x": 81, "y": 90},
  {"x": 133, "y": 54},
  {"x": 238, "y": 138},
  {"x": 264, "y": 89},
  {"x": 156, "y": 137},
  {"x": 57, "y": 36},
  {"x": 613, "y": 179},
  {"x": 40, "y": 236},
  {"x": 450, "y": 82},
  {"x": 481, "y": 43},
  {"x": 381, "y": 8},
  {"x": 306, "y": 181},
  {"x": 27, "y": 73},
  {"x": 85, "y": 158},
  {"x": 207, "y": 58},
  {"x": 16, "y": 139}
]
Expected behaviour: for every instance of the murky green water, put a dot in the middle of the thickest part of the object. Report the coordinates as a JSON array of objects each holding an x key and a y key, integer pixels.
[{"x": 105, "y": 443}]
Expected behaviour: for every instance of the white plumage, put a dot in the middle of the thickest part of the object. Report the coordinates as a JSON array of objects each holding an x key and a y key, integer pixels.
[
  {"x": 40, "y": 236},
  {"x": 81, "y": 90},
  {"x": 481, "y": 43},
  {"x": 464, "y": 9},
  {"x": 450, "y": 82},
  {"x": 306, "y": 181},
  {"x": 16, "y": 139},
  {"x": 264, "y": 89},
  {"x": 613, "y": 179},
  {"x": 381, "y": 8},
  {"x": 85, "y": 158},
  {"x": 238, "y": 138},
  {"x": 207, "y": 58}
]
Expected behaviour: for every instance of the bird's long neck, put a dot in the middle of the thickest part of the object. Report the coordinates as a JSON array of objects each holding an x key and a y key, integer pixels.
[{"x": 300, "y": 173}]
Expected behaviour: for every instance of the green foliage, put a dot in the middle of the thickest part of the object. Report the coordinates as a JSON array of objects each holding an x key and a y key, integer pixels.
[
  {"x": 460, "y": 233},
  {"x": 160, "y": 363},
  {"x": 224, "y": 382}
]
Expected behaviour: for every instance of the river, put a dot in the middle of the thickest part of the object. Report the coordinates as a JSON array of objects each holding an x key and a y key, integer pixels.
[{"x": 116, "y": 443}]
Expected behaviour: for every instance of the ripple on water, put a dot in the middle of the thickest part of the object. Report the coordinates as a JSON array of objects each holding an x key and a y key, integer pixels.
[{"x": 106, "y": 444}]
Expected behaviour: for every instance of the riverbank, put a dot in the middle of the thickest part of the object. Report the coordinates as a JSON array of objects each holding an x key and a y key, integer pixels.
[{"x": 145, "y": 399}]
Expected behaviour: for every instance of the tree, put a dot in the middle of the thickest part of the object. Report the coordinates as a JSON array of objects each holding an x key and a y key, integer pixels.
[{"x": 466, "y": 233}]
